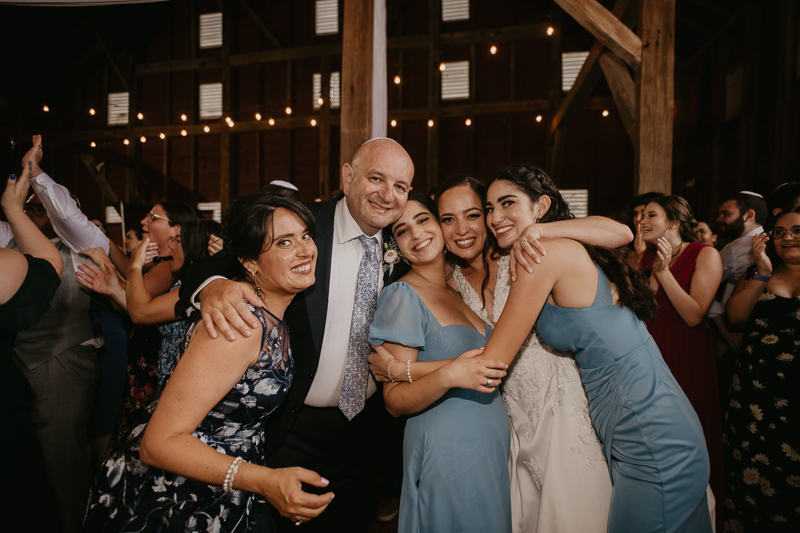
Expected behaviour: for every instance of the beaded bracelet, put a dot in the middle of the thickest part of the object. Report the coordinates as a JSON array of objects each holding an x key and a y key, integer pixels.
[
  {"x": 408, "y": 371},
  {"x": 388, "y": 369},
  {"x": 227, "y": 485}
]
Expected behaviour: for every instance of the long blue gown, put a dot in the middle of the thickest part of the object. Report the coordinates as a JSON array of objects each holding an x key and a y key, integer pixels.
[
  {"x": 455, "y": 452},
  {"x": 652, "y": 438}
]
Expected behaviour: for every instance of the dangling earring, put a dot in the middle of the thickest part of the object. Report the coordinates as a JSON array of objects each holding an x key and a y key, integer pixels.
[{"x": 255, "y": 280}]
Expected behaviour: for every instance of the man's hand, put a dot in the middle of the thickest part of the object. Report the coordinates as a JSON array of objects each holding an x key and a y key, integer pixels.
[
  {"x": 222, "y": 306},
  {"x": 526, "y": 248},
  {"x": 34, "y": 156}
]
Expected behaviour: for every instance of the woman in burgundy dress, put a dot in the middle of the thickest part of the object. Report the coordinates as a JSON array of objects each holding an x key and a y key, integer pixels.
[{"x": 685, "y": 275}]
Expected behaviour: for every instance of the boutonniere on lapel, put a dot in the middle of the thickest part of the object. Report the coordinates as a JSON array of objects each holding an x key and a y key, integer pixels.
[{"x": 391, "y": 255}]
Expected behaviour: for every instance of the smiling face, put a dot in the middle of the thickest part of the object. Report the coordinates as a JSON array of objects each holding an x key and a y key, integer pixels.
[
  {"x": 638, "y": 214},
  {"x": 461, "y": 219},
  {"x": 287, "y": 265},
  {"x": 159, "y": 229},
  {"x": 704, "y": 234},
  {"x": 509, "y": 211},
  {"x": 788, "y": 247},
  {"x": 376, "y": 184},
  {"x": 418, "y": 235},
  {"x": 655, "y": 224}
]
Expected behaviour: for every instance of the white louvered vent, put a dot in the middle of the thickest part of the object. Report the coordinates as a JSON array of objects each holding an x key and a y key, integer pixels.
[
  {"x": 577, "y": 200},
  {"x": 733, "y": 93},
  {"x": 571, "y": 64},
  {"x": 455, "y": 80},
  {"x": 214, "y": 207},
  {"x": 210, "y": 100},
  {"x": 335, "y": 92},
  {"x": 112, "y": 215},
  {"x": 327, "y": 17},
  {"x": 211, "y": 30},
  {"x": 455, "y": 10},
  {"x": 118, "y": 109}
]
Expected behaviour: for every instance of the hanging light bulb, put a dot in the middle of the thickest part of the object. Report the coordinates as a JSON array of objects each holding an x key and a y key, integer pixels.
[
  {"x": 442, "y": 67},
  {"x": 493, "y": 50},
  {"x": 183, "y": 133},
  {"x": 538, "y": 118},
  {"x": 397, "y": 80},
  {"x": 394, "y": 123},
  {"x": 92, "y": 111},
  {"x": 430, "y": 123},
  {"x": 272, "y": 122},
  {"x": 313, "y": 122},
  {"x": 45, "y": 109},
  {"x": 550, "y": 30},
  {"x": 143, "y": 139},
  {"x": 183, "y": 118},
  {"x": 468, "y": 122},
  {"x": 258, "y": 116},
  {"x": 320, "y": 101},
  {"x": 140, "y": 116},
  {"x": 126, "y": 142},
  {"x": 92, "y": 144},
  {"x": 206, "y": 129},
  {"x": 605, "y": 112},
  {"x": 162, "y": 136},
  {"x": 288, "y": 110}
]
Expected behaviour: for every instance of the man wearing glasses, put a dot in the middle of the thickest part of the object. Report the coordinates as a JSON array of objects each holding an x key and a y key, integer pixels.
[{"x": 59, "y": 355}]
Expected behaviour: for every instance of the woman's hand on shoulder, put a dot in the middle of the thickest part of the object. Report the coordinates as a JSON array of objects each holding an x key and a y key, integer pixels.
[
  {"x": 468, "y": 371},
  {"x": 526, "y": 250},
  {"x": 284, "y": 490}
]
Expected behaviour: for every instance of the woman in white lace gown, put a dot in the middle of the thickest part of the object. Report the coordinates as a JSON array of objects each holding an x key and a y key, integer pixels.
[{"x": 559, "y": 477}]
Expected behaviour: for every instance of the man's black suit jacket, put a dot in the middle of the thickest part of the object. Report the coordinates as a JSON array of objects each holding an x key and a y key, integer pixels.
[{"x": 305, "y": 317}]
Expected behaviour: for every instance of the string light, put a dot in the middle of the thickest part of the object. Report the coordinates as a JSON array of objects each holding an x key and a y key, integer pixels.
[
  {"x": 430, "y": 123},
  {"x": 468, "y": 122},
  {"x": 288, "y": 110},
  {"x": 206, "y": 129},
  {"x": 126, "y": 142},
  {"x": 320, "y": 100},
  {"x": 140, "y": 116},
  {"x": 92, "y": 144},
  {"x": 230, "y": 124},
  {"x": 605, "y": 112},
  {"x": 143, "y": 139},
  {"x": 538, "y": 118},
  {"x": 442, "y": 67},
  {"x": 183, "y": 133},
  {"x": 183, "y": 118},
  {"x": 550, "y": 30},
  {"x": 258, "y": 116},
  {"x": 394, "y": 123},
  {"x": 272, "y": 122},
  {"x": 45, "y": 109},
  {"x": 493, "y": 50},
  {"x": 162, "y": 136},
  {"x": 313, "y": 122},
  {"x": 397, "y": 80},
  {"x": 92, "y": 111}
]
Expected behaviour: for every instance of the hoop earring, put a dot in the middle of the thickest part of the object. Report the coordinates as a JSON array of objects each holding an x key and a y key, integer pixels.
[{"x": 255, "y": 280}]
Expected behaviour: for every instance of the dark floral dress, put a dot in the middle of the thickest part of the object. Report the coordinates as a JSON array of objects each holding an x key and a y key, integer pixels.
[
  {"x": 130, "y": 496},
  {"x": 762, "y": 439}
]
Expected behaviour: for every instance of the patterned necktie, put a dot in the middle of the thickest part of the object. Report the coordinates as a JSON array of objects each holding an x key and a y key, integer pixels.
[{"x": 356, "y": 376}]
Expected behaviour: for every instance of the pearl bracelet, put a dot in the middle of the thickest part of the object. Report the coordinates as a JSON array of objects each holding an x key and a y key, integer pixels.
[
  {"x": 388, "y": 369},
  {"x": 227, "y": 485},
  {"x": 408, "y": 371}
]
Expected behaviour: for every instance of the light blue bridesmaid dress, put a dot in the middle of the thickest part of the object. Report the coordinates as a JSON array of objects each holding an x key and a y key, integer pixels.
[
  {"x": 455, "y": 452},
  {"x": 652, "y": 438}
]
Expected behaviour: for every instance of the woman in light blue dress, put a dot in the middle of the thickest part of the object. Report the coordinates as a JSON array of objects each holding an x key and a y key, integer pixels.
[
  {"x": 455, "y": 449},
  {"x": 590, "y": 302}
]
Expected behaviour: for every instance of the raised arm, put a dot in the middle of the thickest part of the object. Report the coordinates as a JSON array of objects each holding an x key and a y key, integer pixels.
[
  {"x": 594, "y": 231},
  {"x": 747, "y": 291},
  {"x": 142, "y": 306},
  {"x": 207, "y": 371},
  {"x": 691, "y": 306},
  {"x": 30, "y": 240}
]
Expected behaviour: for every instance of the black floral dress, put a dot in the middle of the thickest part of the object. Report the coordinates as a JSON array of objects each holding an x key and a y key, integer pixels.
[
  {"x": 762, "y": 439},
  {"x": 130, "y": 496}
]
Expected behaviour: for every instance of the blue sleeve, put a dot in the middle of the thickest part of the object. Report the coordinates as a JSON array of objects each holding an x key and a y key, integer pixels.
[{"x": 400, "y": 317}]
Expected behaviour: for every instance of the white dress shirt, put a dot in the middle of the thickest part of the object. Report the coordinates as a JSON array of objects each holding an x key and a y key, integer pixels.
[
  {"x": 346, "y": 257},
  {"x": 736, "y": 257}
]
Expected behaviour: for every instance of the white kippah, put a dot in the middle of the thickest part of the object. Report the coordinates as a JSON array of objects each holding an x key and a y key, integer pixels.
[
  {"x": 284, "y": 184},
  {"x": 751, "y": 193}
]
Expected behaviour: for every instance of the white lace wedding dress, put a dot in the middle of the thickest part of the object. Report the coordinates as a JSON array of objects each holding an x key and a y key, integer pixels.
[{"x": 559, "y": 477}]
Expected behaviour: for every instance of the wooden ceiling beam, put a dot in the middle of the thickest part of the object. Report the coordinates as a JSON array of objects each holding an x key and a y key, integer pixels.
[
  {"x": 607, "y": 28},
  {"x": 263, "y": 26},
  {"x": 623, "y": 89}
]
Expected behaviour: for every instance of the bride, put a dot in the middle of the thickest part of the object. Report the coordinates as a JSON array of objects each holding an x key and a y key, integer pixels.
[{"x": 559, "y": 477}]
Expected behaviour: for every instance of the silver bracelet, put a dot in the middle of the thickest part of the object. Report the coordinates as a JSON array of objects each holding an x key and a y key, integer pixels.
[
  {"x": 408, "y": 371},
  {"x": 227, "y": 485},
  {"x": 388, "y": 369}
]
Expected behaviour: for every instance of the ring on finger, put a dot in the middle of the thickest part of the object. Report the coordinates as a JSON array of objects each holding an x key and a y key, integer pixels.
[
  {"x": 524, "y": 240},
  {"x": 488, "y": 382}
]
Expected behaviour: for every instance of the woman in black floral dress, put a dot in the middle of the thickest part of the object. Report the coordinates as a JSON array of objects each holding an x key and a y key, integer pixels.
[
  {"x": 195, "y": 464},
  {"x": 762, "y": 459}
]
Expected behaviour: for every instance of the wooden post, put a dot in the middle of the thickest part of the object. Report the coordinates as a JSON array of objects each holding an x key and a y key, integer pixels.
[
  {"x": 225, "y": 134},
  {"x": 324, "y": 187},
  {"x": 623, "y": 89},
  {"x": 654, "y": 97},
  {"x": 356, "y": 83},
  {"x": 434, "y": 82},
  {"x": 786, "y": 107}
]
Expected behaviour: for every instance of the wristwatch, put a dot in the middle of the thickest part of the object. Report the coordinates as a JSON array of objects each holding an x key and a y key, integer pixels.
[{"x": 759, "y": 277}]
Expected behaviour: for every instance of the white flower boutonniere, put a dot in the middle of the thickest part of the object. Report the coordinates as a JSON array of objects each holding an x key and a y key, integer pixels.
[{"x": 391, "y": 255}]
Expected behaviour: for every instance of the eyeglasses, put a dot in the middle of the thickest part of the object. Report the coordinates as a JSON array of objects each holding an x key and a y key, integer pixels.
[
  {"x": 152, "y": 216},
  {"x": 779, "y": 233},
  {"x": 37, "y": 209}
]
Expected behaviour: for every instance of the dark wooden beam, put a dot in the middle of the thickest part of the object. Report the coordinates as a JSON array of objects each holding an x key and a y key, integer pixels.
[
  {"x": 714, "y": 39},
  {"x": 356, "y": 82},
  {"x": 786, "y": 109},
  {"x": 655, "y": 98},
  {"x": 715, "y": 7},
  {"x": 607, "y": 28},
  {"x": 434, "y": 90},
  {"x": 694, "y": 25},
  {"x": 623, "y": 89},
  {"x": 98, "y": 172},
  {"x": 112, "y": 61},
  {"x": 748, "y": 123},
  {"x": 263, "y": 26}
]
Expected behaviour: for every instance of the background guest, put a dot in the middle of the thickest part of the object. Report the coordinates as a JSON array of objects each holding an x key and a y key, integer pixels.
[{"x": 707, "y": 233}]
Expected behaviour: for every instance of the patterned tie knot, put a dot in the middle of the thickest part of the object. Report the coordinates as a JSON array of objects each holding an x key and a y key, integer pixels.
[{"x": 369, "y": 246}]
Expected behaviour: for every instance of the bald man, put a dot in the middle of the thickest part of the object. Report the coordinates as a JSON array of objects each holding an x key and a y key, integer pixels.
[{"x": 324, "y": 424}]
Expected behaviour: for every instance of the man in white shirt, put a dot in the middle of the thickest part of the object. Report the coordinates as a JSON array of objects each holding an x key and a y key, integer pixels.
[
  {"x": 58, "y": 356},
  {"x": 313, "y": 428}
]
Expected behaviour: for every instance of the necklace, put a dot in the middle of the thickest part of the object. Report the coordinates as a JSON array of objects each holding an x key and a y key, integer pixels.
[{"x": 676, "y": 254}]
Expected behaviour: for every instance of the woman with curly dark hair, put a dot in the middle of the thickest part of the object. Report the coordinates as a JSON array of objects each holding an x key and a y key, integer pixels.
[{"x": 685, "y": 275}]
